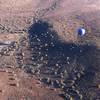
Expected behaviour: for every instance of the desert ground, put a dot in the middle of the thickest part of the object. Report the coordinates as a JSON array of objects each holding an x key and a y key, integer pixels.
[{"x": 41, "y": 55}]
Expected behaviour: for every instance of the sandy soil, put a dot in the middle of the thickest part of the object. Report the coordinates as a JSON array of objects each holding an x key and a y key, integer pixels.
[
  {"x": 65, "y": 16},
  {"x": 17, "y": 85}
]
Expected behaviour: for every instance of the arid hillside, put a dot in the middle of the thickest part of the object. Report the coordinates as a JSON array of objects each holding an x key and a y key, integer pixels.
[{"x": 41, "y": 55}]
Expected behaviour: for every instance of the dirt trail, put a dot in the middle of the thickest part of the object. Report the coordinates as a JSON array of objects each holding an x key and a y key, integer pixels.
[{"x": 63, "y": 55}]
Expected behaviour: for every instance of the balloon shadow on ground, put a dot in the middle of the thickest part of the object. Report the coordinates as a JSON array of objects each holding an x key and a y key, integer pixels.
[{"x": 58, "y": 60}]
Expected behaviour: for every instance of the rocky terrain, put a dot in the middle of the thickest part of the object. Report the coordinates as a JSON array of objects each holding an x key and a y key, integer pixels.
[{"x": 41, "y": 55}]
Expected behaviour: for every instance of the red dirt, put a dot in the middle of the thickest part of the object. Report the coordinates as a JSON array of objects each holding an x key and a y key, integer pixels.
[
  {"x": 16, "y": 84},
  {"x": 64, "y": 15}
]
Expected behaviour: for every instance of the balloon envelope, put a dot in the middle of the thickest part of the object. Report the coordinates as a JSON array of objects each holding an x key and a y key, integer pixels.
[{"x": 81, "y": 31}]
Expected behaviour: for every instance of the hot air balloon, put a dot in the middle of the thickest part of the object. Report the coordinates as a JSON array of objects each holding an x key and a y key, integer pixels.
[{"x": 81, "y": 31}]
